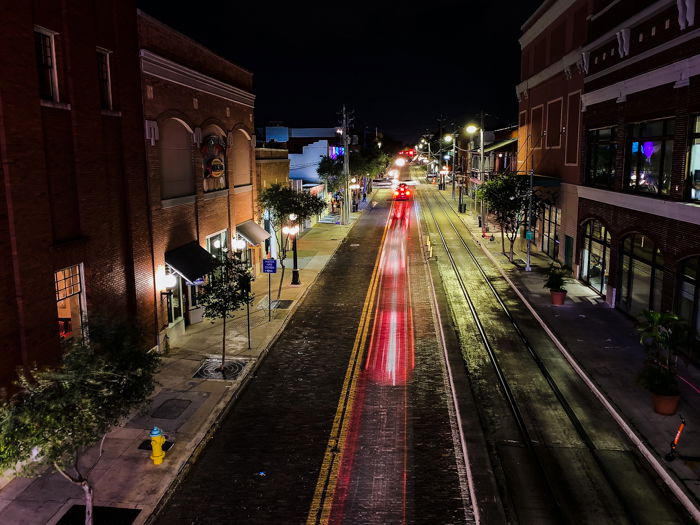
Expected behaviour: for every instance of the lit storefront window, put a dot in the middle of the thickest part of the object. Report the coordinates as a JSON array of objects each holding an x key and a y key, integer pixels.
[
  {"x": 650, "y": 152},
  {"x": 217, "y": 244},
  {"x": 69, "y": 301}
]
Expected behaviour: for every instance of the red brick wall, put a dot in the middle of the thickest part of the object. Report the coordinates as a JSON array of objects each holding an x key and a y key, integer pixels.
[{"x": 74, "y": 181}]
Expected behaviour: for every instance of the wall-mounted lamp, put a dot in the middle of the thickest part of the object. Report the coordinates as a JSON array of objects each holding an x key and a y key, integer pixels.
[{"x": 170, "y": 282}]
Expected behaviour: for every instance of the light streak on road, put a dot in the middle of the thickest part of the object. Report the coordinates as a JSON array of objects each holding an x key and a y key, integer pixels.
[{"x": 373, "y": 472}]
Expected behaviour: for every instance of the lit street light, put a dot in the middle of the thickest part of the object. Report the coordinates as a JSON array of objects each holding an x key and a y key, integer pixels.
[{"x": 293, "y": 231}]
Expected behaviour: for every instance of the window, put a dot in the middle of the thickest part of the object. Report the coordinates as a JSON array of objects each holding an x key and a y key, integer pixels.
[
  {"x": 217, "y": 244},
  {"x": 537, "y": 135},
  {"x": 45, "y": 49},
  {"x": 693, "y": 181},
  {"x": 177, "y": 175},
  {"x": 69, "y": 301},
  {"x": 600, "y": 170},
  {"x": 595, "y": 256},
  {"x": 174, "y": 305},
  {"x": 641, "y": 275},
  {"x": 551, "y": 221},
  {"x": 554, "y": 123},
  {"x": 104, "y": 78},
  {"x": 688, "y": 306},
  {"x": 650, "y": 147}
]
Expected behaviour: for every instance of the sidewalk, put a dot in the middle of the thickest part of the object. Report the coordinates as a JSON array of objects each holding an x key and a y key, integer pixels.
[
  {"x": 606, "y": 345},
  {"x": 186, "y": 408}
]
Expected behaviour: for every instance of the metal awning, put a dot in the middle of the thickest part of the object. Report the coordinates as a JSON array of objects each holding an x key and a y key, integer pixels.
[
  {"x": 499, "y": 145},
  {"x": 252, "y": 232},
  {"x": 191, "y": 261}
]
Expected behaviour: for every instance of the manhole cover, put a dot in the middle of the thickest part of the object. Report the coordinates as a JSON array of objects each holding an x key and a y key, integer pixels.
[
  {"x": 211, "y": 369},
  {"x": 146, "y": 445},
  {"x": 283, "y": 304},
  {"x": 101, "y": 515},
  {"x": 171, "y": 409}
]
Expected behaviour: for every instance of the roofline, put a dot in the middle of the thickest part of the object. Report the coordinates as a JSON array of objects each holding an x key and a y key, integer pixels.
[{"x": 538, "y": 12}]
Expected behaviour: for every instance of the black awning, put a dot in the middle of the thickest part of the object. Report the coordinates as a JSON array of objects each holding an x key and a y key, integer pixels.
[
  {"x": 252, "y": 232},
  {"x": 191, "y": 261}
]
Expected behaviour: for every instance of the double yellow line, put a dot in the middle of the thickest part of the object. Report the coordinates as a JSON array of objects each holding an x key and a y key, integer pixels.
[{"x": 322, "y": 501}]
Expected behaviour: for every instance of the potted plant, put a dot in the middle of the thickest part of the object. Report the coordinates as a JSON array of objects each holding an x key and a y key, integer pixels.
[
  {"x": 662, "y": 334},
  {"x": 557, "y": 276}
]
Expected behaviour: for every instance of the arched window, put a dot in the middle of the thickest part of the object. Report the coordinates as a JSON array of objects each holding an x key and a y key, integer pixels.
[
  {"x": 688, "y": 306},
  {"x": 641, "y": 275},
  {"x": 240, "y": 158},
  {"x": 595, "y": 256},
  {"x": 176, "y": 174}
]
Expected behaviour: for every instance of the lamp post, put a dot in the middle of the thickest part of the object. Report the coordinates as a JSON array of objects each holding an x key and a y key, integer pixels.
[
  {"x": 528, "y": 234},
  {"x": 452, "y": 139},
  {"x": 293, "y": 231},
  {"x": 471, "y": 129}
]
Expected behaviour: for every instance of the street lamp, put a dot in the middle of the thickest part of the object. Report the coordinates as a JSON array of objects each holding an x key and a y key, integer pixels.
[
  {"x": 293, "y": 231},
  {"x": 471, "y": 129}
]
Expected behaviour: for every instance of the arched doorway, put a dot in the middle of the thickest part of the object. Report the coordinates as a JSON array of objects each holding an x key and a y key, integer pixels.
[
  {"x": 595, "y": 256},
  {"x": 641, "y": 275}
]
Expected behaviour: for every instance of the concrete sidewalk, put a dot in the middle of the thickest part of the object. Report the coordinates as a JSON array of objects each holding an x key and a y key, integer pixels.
[
  {"x": 186, "y": 408},
  {"x": 604, "y": 342}
]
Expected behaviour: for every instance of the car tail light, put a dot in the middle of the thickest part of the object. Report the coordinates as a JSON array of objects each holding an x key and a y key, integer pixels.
[
  {"x": 396, "y": 193},
  {"x": 408, "y": 192}
]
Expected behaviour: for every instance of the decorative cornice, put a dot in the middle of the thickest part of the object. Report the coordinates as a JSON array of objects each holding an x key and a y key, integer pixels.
[
  {"x": 157, "y": 66},
  {"x": 557, "y": 67},
  {"x": 678, "y": 73},
  {"x": 545, "y": 20}
]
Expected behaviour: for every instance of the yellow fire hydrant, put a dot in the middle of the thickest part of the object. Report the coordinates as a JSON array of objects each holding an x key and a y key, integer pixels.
[{"x": 157, "y": 442}]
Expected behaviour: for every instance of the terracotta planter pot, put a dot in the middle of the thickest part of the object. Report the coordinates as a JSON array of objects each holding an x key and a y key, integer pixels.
[
  {"x": 665, "y": 405},
  {"x": 558, "y": 297}
]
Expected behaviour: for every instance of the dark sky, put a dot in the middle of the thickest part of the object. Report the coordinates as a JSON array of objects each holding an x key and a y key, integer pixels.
[{"x": 399, "y": 68}]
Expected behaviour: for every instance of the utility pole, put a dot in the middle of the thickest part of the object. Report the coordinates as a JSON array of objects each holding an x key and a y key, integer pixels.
[
  {"x": 482, "y": 173},
  {"x": 345, "y": 219}
]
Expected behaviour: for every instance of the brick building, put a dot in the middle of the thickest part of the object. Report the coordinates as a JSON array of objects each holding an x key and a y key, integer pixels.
[
  {"x": 549, "y": 97},
  {"x": 271, "y": 167},
  {"x": 74, "y": 227},
  {"x": 639, "y": 207},
  {"x": 200, "y": 151}
]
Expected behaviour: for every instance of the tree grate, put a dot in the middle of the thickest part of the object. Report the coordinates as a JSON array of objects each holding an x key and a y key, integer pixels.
[{"x": 210, "y": 369}]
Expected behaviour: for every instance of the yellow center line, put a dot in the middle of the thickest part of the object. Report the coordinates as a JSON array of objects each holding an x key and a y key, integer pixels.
[{"x": 322, "y": 501}]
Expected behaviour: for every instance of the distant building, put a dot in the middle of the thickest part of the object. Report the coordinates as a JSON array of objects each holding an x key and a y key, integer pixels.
[
  {"x": 271, "y": 167},
  {"x": 200, "y": 148},
  {"x": 306, "y": 146},
  {"x": 74, "y": 229}
]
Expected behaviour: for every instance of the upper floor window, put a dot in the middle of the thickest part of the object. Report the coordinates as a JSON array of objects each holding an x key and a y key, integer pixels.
[
  {"x": 104, "y": 78},
  {"x": 600, "y": 169},
  {"x": 694, "y": 161},
  {"x": 650, "y": 148},
  {"x": 70, "y": 301},
  {"x": 45, "y": 50},
  {"x": 177, "y": 174}
]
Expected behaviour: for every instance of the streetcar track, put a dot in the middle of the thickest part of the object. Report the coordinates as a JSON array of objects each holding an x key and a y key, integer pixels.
[{"x": 505, "y": 387}]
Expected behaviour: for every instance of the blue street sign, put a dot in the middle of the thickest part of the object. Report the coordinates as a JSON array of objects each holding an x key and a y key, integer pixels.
[
  {"x": 530, "y": 235},
  {"x": 269, "y": 265}
]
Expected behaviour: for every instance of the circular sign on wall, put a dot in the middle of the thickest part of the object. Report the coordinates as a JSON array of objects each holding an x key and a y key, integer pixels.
[{"x": 216, "y": 167}]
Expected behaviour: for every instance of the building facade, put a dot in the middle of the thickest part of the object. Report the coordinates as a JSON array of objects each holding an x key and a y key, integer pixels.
[
  {"x": 639, "y": 206},
  {"x": 549, "y": 118},
  {"x": 74, "y": 225},
  {"x": 271, "y": 167},
  {"x": 200, "y": 151}
]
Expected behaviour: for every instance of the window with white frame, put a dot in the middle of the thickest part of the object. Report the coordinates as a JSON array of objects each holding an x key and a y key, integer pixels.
[
  {"x": 104, "y": 78},
  {"x": 69, "y": 301},
  {"x": 45, "y": 51}
]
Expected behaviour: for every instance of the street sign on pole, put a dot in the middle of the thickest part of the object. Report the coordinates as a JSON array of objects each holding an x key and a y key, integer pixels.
[{"x": 269, "y": 265}]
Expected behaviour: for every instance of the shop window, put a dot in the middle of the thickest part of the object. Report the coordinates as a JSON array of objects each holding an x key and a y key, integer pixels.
[
  {"x": 600, "y": 169},
  {"x": 45, "y": 52},
  {"x": 69, "y": 301},
  {"x": 217, "y": 244},
  {"x": 174, "y": 296},
  {"x": 641, "y": 275},
  {"x": 551, "y": 223},
  {"x": 104, "y": 78},
  {"x": 595, "y": 256},
  {"x": 688, "y": 302},
  {"x": 693, "y": 181},
  {"x": 649, "y": 149}
]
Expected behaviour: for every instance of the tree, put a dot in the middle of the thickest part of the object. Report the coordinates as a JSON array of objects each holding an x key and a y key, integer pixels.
[
  {"x": 507, "y": 196},
  {"x": 330, "y": 171},
  {"x": 227, "y": 288},
  {"x": 58, "y": 413}
]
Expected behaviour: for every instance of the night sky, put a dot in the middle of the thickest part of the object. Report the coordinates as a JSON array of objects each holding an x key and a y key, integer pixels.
[{"x": 399, "y": 68}]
